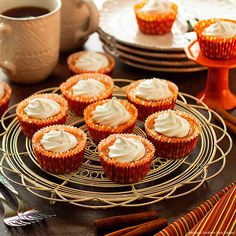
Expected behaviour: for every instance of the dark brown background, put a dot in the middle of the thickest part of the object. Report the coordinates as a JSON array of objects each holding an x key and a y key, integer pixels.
[{"x": 72, "y": 220}]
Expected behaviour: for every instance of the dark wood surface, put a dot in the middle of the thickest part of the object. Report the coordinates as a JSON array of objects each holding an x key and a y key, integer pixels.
[{"x": 72, "y": 220}]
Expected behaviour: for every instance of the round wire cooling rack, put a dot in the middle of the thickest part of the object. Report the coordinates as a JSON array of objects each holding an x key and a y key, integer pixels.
[{"x": 89, "y": 187}]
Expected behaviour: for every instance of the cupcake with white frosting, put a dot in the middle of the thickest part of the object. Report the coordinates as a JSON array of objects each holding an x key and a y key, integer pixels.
[
  {"x": 110, "y": 116},
  {"x": 173, "y": 133},
  {"x": 59, "y": 148},
  {"x": 91, "y": 62},
  {"x": 41, "y": 110},
  {"x": 5, "y": 95},
  {"x": 82, "y": 90},
  {"x": 126, "y": 158},
  {"x": 217, "y": 38},
  {"x": 155, "y": 16},
  {"x": 152, "y": 95}
]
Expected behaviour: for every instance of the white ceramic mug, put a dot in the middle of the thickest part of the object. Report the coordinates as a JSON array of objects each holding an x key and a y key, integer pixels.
[
  {"x": 29, "y": 47},
  {"x": 79, "y": 18}
]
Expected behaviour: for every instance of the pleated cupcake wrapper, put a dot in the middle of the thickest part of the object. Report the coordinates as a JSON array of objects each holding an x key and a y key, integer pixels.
[
  {"x": 146, "y": 108},
  {"x": 125, "y": 173},
  {"x": 60, "y": 163},
  {"x": 213, "y": 47},
  {"x": 30, "y": 125},
  {"x": 155, "y": 24},
  {"x": 184, "y": 224},
  {"x": 76, "y": 70},
  {"x": 4, "y": 101},
  {"x": 99, "y": 132},
  {"x": 171, "y": 147},
  {"x": 77, "y": 104}
]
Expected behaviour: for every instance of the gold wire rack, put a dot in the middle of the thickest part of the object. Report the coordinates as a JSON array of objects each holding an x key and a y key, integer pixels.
[{"x": 89, "y": 187}]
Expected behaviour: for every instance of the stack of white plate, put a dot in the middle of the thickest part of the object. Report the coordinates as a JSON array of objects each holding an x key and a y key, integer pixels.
[{"x": 119, "y": 32}]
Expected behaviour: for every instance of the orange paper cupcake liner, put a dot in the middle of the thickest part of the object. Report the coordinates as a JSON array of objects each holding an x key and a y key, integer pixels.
[
  {"x": 213, "y": 47},
  {"x": 4, "y": 101},
  {"x": 125, "y": 173},
  {"x": 60, "y": 163},
  {"x": 146, "y": 108},
  {"x": 78, "y": 103},
  {"x": 158, "y": 24},
  {"x": 172, "y": 147},
  {"x": 76, "y": 70},
  {"x": 99, "y": 132},
  {"x": 30, "y": 125}
]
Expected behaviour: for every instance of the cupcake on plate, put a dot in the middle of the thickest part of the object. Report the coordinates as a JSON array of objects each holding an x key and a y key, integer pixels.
[
  {"x": 173, "y": 133},
  {"x": 82, "y": 90},
  {"x": 217, "y": 37},
  {"x": 59, "y": 148},
  {"x": 41, "y": 110},
  {"x": 152, "y": 95},
  {"x": 90, "y": 62},
  {"x": 126, "y": 158},
  {"x": 155, "y": 16},
  {"x": 5, "y": 95},
  {"x": 110, "y": 116}
]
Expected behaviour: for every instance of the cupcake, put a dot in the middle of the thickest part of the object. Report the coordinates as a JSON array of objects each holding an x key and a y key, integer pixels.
[
  {"x": 126, "y": 158},
  {"x": 152, "y": 95},
  {"x": 173, "y": 133},
  {"x": 217, "y": 37},
  {"x": 5, "y": 95},
  {"x": 59, "y": 148},
  {"x": 41, "y": 110},
  {"x": 155, "y": 16},
  {"x": 90, "y": 62},
  {"x": 110, "y": 116},
  {"x": 82, "y": 90}
]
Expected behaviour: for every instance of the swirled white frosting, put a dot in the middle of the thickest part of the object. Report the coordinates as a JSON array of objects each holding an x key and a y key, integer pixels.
[
  {"x": 89, "y": 87},
  {"x": 152, "y": 89},
  {"x": 2, "y": 92},
  {"x": 156, "y": 6},
  {"x": 112, "y": 113},
  {"x": 221, "y": 29},
  {"x": 92, "y": 61},
  {"x": 42, "y": 108},
  {"x": 171, "y": 125},
  {"x": 127, "y": 149},
  {"x": 58, "y": 141}
]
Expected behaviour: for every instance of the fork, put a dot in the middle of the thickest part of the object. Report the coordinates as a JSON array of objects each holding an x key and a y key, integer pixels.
[
  {"x": 10, "y": 217},
  {"x": 24, "y": 211}
]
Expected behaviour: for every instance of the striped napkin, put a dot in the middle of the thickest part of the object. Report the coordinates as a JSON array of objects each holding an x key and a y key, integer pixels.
[{"x": 183, "y": 225}]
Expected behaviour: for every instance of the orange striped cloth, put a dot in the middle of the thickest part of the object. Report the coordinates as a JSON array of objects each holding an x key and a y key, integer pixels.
[
  {"x": 221, "y": 220},
  {"x": 183, "y": 225}
]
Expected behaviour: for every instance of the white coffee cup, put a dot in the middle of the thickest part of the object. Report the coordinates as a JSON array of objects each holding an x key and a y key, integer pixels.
[
  {"x": 79, "y": 18},
  {"x": 29, "y": 47}
]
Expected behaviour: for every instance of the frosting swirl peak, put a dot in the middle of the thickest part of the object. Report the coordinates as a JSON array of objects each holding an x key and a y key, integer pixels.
[
  {"x": 42, "y": 108},
  {"x": 152, "y": 89},
  {"x": 58, "y": 141},
  {"x": 112, "y": 113},
  {"x": 171, "y": 125},
  {"x": 126, "y": 150},
  {"x": 156, "y": 6},
  {"x": 89, "y": 87}
]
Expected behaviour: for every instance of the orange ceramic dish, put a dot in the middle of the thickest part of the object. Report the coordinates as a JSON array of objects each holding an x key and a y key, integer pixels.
[
  {"x": 99, "y": 132},
  {"x": 172, "y": 147},
  {"x": 60, "y": 163},
  {"x": 155, "y": 23},
  {"x": 128, "y": 172},
  {"x": 4, "y": 101},
  {"x": 78, "y": 103},
  {"x": 215, "y": 47},
  {"x": 30, "y": 125},
  {"x": 145, "y": 107},
  {"x": 71, "y": 60}
]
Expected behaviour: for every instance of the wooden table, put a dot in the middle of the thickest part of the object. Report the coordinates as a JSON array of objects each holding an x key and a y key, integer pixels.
[{"x": 73, "y": 220}]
